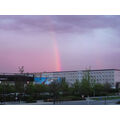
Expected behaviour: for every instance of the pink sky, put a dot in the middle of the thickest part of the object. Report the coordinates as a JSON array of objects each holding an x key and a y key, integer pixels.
[{"x": 50, "y": 43}]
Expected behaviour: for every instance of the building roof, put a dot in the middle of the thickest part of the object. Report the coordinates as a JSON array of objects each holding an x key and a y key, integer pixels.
[
  {"x": 84, "y": 70},
  {"x": 27, "y": 74}
]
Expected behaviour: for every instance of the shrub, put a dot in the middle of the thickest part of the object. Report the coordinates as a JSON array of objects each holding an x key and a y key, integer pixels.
[{"x": 30, "y": 99}]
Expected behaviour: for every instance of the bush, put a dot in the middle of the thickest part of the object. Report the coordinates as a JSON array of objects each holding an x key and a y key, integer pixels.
[
  {"x": 30, "y": 99},
  {"x": 69, "y": 98}
]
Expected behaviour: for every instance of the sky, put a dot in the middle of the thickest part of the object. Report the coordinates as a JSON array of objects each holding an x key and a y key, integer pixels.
[{"x": 59, "y": 43}]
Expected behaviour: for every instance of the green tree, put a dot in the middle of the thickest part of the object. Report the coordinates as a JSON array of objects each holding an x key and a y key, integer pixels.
[
  {"x": 54, "y": 89},
  {"x": 99, "y": 89},
  {"x": 9, "y": 88},
  {"x": 77, "y": 88},
  {"x": 107, "y": 88},
  {"x": 40, "y": 88},
  {"x": 93, "y": 83},
  {"x": 30, "y": 89},
  {"x": 64, "y": 87},
  {"x": 86, "y": 88}
]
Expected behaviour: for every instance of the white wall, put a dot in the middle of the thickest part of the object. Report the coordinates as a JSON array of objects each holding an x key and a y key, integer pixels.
[{"x": 100, "y": 76}]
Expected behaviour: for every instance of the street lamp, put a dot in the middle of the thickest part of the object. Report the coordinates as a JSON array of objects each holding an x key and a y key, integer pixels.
[
  {"x": 93, "y": 85},
  {"x": 4, "y": 93},
  {"x": 25, "y": 87},
  {"x": 28, "y": 82},
  {"x": 1, "y": 96}
]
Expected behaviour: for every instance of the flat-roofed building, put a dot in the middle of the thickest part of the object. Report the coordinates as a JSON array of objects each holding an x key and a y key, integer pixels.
[
  {"x": 111, "y": 76},
  {"x": 16, "y": 79}
]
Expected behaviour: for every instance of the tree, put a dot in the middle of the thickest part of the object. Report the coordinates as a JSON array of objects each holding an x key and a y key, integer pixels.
[
  {"x": 93, "y": 83},
  {"x": 86, "y": 88},
  {"x": 54, "y": 89},
  {"x": 99, "y": 89},
  {"x": 64, "y": 87},
  {"x": 77, "y": 88},
  {"x": 41, "y": 88},
  {"x": 107, "y": 88},
  {"x": 30, "y": 89}
]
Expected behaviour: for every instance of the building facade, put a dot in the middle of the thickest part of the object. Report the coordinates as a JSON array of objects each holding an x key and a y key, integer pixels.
[
  {"x": 16, "y": 79},
  {"x": 111, "y": 76}
]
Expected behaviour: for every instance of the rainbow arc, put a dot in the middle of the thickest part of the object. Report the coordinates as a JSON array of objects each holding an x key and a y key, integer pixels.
[{"x": 55, "y": 44}]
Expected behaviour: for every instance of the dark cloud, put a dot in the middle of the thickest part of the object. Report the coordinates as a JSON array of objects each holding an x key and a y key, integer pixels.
[
  {"x": 30, "y": 43},
  {"x": 64, "y": 23}
]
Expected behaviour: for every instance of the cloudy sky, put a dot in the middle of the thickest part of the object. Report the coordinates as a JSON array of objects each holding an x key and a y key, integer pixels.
[{"x": 50, "y": 43}]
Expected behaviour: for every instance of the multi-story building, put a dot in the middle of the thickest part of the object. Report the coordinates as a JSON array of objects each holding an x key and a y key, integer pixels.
[{"x": 102, "y": 76}]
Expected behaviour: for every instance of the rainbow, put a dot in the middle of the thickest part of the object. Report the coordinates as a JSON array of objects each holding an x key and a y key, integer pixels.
[
  {"x": 55, "y": 45},
  {"x": 57, "y": 55}
]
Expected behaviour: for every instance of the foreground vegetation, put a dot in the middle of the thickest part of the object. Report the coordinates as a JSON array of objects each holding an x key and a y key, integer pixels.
[{"x": 56, "y": 91}]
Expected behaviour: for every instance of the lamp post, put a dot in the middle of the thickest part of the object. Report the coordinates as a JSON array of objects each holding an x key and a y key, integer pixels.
[
  {"x": 28, "y": 82},
  {"x": 25, "y": 85},
  {"x": 4, "y": 93},
  {"x": 93, "y": 87}
]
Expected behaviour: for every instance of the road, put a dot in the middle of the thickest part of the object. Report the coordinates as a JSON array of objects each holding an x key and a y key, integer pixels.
[{"x": 81, "y": 102}]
